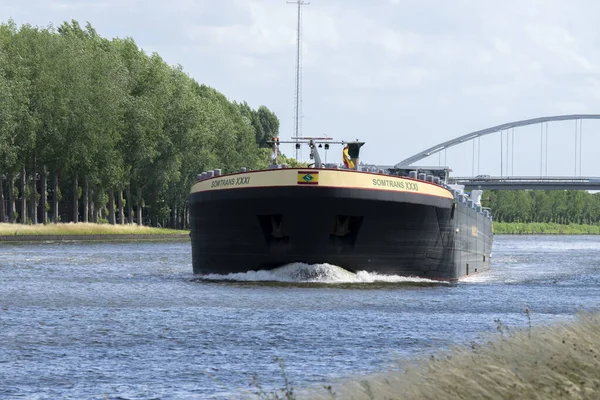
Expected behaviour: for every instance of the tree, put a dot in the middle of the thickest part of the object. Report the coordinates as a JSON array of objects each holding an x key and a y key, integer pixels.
[
  {"x": 269, "y": 124},
  {"x": 99, "y": 117}
]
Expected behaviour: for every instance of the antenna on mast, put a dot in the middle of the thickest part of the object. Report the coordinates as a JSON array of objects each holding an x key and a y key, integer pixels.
[{"x": 298, "y": 91}]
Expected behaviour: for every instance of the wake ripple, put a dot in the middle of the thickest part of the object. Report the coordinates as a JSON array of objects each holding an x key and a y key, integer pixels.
[{"x": 313, "y": 273}]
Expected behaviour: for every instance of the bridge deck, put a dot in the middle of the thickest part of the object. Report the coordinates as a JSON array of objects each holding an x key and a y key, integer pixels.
[{"x": 529, "y": 182}]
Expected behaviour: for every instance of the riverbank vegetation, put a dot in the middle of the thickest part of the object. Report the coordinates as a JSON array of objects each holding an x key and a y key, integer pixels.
[
  {"x": 552, "y": 362},
  {"x": 562, "y": 207},
  {"x": 544, "y": 228},
  {"x": 83, "y": 229},
  {"x": 93, "y": 129}
]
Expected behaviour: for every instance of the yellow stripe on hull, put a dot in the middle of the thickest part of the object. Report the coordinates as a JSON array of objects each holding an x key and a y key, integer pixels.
[{"x": 320, "y": 178}]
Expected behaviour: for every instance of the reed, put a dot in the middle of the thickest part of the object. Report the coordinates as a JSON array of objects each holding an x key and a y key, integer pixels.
[
  {"x": 82, "y": 229},
  {"x": 553, "y": 362},
  {"x": 544, "y": 228}
]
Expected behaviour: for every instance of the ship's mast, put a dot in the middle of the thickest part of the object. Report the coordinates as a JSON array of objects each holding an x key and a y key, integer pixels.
[{"x": 298, "y": 91}]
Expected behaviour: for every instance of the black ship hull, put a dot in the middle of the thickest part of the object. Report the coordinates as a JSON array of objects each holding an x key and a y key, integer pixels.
[{"x": 392, "y": 232}]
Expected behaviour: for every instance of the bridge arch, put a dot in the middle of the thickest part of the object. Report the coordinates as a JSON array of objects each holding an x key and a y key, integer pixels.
[{"x": 469, "y": 136}]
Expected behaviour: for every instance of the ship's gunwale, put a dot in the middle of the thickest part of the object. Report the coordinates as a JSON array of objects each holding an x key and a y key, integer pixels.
[{"x": 429, "y": 185}]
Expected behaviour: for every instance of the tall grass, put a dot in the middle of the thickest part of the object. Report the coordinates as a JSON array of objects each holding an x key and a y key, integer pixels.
[
  {"x": 544, "y": 228},
  {"x": 81, "y": 229},
  {"x": 555, "y": 362}
]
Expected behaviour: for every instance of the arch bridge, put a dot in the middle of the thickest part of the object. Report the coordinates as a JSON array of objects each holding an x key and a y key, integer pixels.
[{"x": 499, "y": 128}]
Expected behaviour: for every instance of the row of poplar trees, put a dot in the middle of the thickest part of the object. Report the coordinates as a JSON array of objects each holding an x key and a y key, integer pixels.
[
  {"x": 558, "y": 206},
  {"x": 97, "y": 130}
]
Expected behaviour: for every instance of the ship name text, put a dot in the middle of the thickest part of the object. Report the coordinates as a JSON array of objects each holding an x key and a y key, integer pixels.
[
  {"x": 238, "y": 181},
  {"x": 396, "y": 184}
]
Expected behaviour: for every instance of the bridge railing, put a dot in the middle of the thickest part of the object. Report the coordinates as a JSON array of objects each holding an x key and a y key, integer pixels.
[
  {"x": 528, "y": 182},
  {"x": 486, "y": 178}
]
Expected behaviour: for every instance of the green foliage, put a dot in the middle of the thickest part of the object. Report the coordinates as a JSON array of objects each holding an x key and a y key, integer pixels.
[
  {"x": 265, "y": 158},
  {"x": 116, "y": 117},
  {"x": 549, "y": 206},
  {"x": 264, "y": 122},
  {"x": 544, "y": 228},
  {"x": 290, "y": 162}
]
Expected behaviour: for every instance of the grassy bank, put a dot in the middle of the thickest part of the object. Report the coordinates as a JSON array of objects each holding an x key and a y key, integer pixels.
[
  {"x": 82, "y": 229},
  {"x": 556, "y": 362},
  {"x": 543, "y": 228}
]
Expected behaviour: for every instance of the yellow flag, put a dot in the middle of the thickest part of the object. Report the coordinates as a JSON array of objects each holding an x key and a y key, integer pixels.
[{"x": 347, "y": 160}]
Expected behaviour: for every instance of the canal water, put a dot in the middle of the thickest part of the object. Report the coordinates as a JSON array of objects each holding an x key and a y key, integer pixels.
[{"x": 131, "y": 321}]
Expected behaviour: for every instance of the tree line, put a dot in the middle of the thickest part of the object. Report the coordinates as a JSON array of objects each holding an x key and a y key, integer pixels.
[
  {"x": 557, "y": 206},
  {"x": 93, "y": 129}
]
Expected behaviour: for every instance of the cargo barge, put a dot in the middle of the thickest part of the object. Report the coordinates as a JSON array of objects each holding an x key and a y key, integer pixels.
[{"x": 393, "y": 222}]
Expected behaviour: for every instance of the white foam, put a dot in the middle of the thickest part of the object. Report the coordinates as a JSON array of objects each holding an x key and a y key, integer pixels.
[
  {"x": 313, "y": 273},
  {"x": 480, "y": 277}
]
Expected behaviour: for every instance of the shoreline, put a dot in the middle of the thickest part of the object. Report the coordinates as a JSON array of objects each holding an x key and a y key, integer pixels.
[
  {"x": 540, "y": 362},
  {"x": 544, "y": 228},
  {"x": 544, "y": 234},
  {"x": 93, "y": 237},
  {"x": 86, "y": 232}
]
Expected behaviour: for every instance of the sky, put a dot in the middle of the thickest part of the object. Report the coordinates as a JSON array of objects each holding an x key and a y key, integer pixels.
[{"x": 401, "y": 75}]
